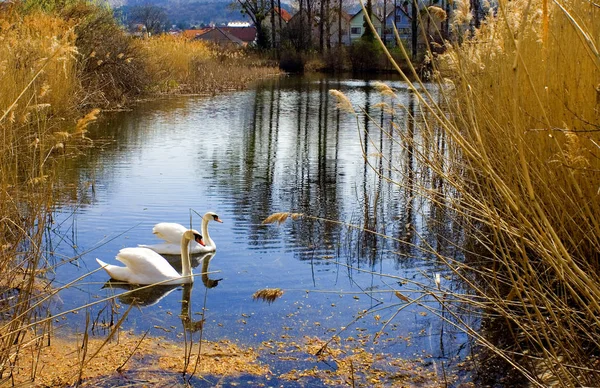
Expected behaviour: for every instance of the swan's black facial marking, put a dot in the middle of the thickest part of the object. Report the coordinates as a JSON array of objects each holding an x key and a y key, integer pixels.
[
  {"x": 216, "y": 218},
  {"x": 198, "y": 239}
]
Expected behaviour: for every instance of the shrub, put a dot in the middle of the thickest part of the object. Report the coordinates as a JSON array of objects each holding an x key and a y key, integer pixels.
[
  {"x": 292, "y": 62},
  {"x": 111, "y": 67},
  {"x": 170, "y": 62},
  {"x": 365, "y": 55},
  {"x": 337, "y": 59}
]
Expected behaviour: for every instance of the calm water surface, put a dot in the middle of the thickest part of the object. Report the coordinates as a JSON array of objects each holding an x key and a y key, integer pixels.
[{"x": 283, "y": 146}]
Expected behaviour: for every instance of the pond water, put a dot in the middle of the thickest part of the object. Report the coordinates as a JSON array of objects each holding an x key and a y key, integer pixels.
[{"x": 280, "y": 147}]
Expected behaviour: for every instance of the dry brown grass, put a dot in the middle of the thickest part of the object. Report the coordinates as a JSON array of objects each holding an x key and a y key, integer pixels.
[
  {"x": 152, "y": 360},
  {"x": 268, "y": 295},
  {"x": 56, "y": 61},
  {"x": 524, "y": 162},
  {"x": 37, "y": 70},
  {"x": 180, "y": 65}
]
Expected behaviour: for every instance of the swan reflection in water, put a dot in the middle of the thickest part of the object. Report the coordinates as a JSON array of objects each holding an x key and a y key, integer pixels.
[{"x": 151, "y": 295}]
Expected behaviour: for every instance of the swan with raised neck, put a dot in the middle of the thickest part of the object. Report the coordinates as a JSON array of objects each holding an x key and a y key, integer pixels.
[{"x": 144, "y": 266}]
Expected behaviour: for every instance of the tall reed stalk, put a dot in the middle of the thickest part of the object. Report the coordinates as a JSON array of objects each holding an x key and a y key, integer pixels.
[
  {"x": 38, "y": 78},
  {"x": 524, "y": 160}
]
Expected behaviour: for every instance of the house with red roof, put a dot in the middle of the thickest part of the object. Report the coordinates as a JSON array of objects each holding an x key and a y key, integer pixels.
[
  {"x": 225, "y": 36},
  {"x": 280, "y": 17},
  {"x": 245, "y": 34},
  {"x": 193, "y": 34},
  {"x": 221, "y": 37}
]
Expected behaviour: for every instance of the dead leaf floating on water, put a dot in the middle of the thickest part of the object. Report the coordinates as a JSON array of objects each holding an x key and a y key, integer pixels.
[
  {"x": 268, "y": 295},
  {"x": 281, "y": 217},
  {"x": 400, "y": 296}
]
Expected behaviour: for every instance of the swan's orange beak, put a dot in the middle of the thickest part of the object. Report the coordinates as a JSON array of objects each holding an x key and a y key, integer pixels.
[
  {"x": 218, "y": 219},
  {"x": 198, "y": 239}
]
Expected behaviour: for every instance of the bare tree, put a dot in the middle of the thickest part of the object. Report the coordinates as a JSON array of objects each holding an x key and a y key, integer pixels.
[
  {"x": 414, "y": 28},
  {"x": 301, "y": 11},
  {"x": 322, "y": 22},
  {"x": 280, "y": 17},
  {"x": 340, "y": 5},
  {"x": 384, "y": 19},
  {"x": 152, "y": 17},
  {"x": 257, "y": 11},
  {"x": 329, "y": 21},
  {"x": 310, "y": 20},
  {"x": 272, "y": 23},
  {"x": 368, "y": 34}
]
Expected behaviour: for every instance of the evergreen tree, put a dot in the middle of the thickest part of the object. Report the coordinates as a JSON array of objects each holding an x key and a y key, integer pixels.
[{"x": 368, "y": 34}]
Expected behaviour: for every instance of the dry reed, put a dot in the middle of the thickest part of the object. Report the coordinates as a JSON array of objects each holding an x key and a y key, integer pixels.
[
  {"x": 523, "y": 160},
  {"x": 268, "y": 295},
  {"x": 180, "y": 65},
  {"x": 57, "y": 60}
]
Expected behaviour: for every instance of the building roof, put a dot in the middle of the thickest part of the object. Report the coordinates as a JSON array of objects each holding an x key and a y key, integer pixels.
[
  {"x": 245, "y": 34},
  {"x": 360, "y": 12},
  {"x": 220, "y": 36},
  {"x": 192, "y": 34},
  {"x": 285, "y": 15},
  {"x": 401, "y": 9}
]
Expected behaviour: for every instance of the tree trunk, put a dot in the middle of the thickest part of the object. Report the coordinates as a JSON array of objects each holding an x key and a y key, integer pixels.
[
  {"x": 301, "y": 12},
  {"x": 272, "y": 23},
  {"x": 340, "y": 22},
  {"x": 367, "y": 33},
  {"x": 280, "y": 17},
  {"x": 384, "y": 21},
  {"x": 415, "y": 32},
  {"x": 310, "y": 23},
  {"x": 260, "y": 34},
  {"x": 475, "y": 10},
  {"x": 322, "y": 28},
  {"x": 446, "y": 23},
  {"x": 396, "y": 18},
  {"x": 328, "y": 25}
]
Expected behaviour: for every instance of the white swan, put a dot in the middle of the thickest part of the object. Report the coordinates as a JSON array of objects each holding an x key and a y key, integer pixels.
[
  {"x": 171, "y": 233},
  {"x": 144, "y": 266}
]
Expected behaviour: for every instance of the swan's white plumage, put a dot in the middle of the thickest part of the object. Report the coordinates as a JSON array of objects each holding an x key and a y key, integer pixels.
[
  {"x": 171, "y": 233},
  {"x": 144, "y": 266}
]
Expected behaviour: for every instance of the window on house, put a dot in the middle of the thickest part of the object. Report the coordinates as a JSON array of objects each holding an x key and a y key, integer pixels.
[{"x": 355, "y": 30}]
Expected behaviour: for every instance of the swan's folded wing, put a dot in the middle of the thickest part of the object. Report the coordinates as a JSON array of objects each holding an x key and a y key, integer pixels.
[
  {"x": 164, "y": 248},
  {"x": 171, "y": 232},
  {"x": 147, "y": 262},
  {"x": 175, "y": 249}
]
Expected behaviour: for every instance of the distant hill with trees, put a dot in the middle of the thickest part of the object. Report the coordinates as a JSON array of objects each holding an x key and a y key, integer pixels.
[{"x": 185, "y": 14}]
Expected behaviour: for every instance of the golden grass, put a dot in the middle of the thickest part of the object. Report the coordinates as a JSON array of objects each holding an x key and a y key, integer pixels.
[
  {"x": 37, "y": 74},
  {"x": 281, "y": 217},
  {"x": 53, "y": 65},
  {"x": 37, "y": 70},
  {"x": 170, "y": 61},
  {"x": 524, "y": 162},
  {"x": 56, "y": 362},
  {"x": 180, "y": 65},
  {"x": 268, "y": 295}
]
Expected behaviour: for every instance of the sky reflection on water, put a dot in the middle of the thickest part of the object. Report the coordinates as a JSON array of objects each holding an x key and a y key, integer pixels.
[{"x": 282, "y": 146}]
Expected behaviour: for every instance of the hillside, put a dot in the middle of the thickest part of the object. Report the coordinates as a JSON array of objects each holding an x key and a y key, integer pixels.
[{"x": 186, "y": 13}]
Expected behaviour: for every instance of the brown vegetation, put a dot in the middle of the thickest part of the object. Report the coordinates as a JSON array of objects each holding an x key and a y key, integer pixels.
[
  {"x": 60, "y": 61},
  {"x": 523, "y": 168},
  {"x": 127, "y": 358},
  {"x": 179, "y": 65}
]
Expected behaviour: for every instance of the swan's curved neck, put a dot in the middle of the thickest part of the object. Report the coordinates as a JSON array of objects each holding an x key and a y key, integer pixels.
[
  {"x": 207, "y": 240},
  {"x": 186, "y": 265}
]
